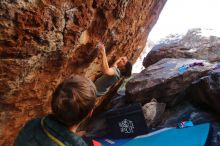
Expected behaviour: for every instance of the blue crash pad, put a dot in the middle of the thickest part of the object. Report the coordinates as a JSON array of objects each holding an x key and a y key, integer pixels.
[{"x": 191, "y": 136}]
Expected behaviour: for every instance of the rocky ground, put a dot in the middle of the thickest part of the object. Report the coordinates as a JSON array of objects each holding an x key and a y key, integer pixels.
[{"x": 185, "y": 77}]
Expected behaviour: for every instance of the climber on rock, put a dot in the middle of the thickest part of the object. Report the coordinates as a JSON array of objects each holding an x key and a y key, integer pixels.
[
  {"x": 72, "y": 102},
  {"x": 121, "y": 67}
]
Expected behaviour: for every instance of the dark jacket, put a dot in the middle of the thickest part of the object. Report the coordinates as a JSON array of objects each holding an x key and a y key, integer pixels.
[{"x": 33, "y": 134}]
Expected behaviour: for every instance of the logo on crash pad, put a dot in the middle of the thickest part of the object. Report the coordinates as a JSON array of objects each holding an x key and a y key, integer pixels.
[{"x": 126, "y": 126}]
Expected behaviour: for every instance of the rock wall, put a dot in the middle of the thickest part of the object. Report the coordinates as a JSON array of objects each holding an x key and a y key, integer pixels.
[{"x": 44, "y": 41}]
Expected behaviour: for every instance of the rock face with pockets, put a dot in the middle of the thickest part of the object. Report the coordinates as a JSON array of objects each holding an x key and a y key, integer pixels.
[{"x": 44, "y": 41}]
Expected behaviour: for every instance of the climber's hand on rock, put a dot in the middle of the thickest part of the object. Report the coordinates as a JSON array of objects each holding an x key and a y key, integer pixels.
[{"x": 101, "y": 48}]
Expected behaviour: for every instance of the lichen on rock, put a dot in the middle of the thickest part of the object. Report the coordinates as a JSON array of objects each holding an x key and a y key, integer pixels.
[{"x": 44, "y": 41}]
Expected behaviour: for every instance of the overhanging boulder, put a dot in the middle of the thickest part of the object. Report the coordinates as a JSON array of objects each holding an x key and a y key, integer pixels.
[{"x": 44, "y": 41}]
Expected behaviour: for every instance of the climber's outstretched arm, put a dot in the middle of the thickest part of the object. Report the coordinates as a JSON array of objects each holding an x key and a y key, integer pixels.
[{"x": 105, "y": 67}]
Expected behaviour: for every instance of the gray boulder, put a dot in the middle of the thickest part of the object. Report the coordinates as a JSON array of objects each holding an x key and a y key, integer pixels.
[
  {"x": 206, "y": 91},
  {"x": 163, "y": 80},
  {"x": 192, "y": 45}
]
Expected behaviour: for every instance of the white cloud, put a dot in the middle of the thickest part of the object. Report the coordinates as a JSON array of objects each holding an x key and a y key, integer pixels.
[{"x": 180, "y": 15}]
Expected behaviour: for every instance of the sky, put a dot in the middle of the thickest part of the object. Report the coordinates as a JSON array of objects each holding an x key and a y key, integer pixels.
[{"x": 178, "y": 16}]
